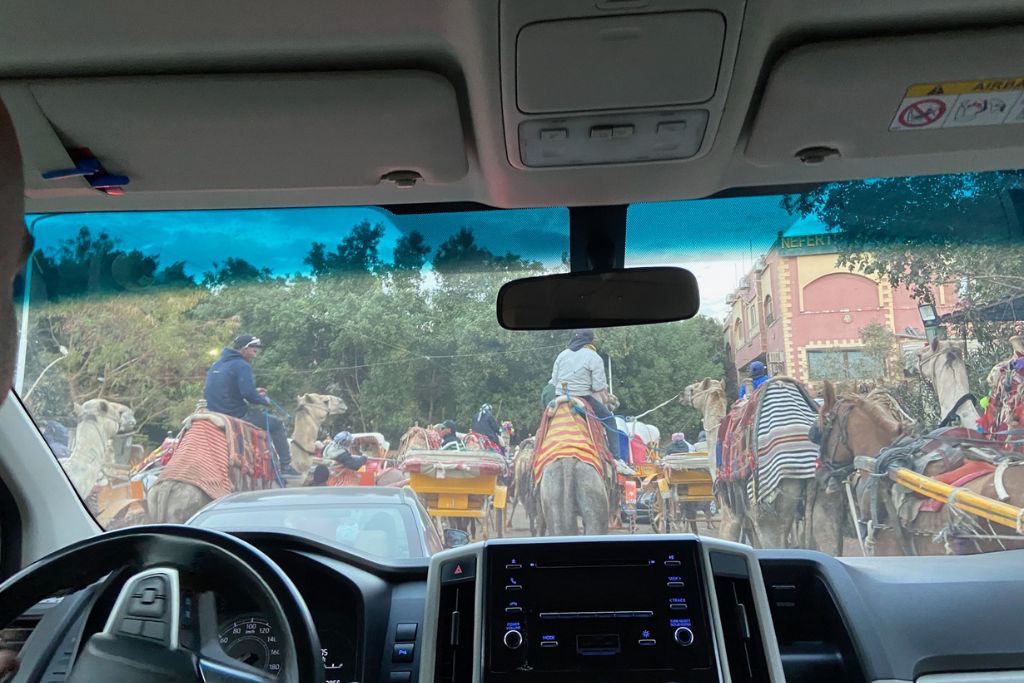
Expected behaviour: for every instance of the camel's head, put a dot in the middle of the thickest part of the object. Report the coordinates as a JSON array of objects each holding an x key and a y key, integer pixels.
[
  {"x": 941, "y": 358},
  {"x": 697, "y": 390},
  {"x": 118, "y": 416},
  {"x": 332, "y": 405}
]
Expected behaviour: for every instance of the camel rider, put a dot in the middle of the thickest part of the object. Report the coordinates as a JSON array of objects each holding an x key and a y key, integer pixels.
[
  {"x": 758, "y": 376},
  {"x": 344, "y": 450},
  {"x": 485, "y": 423},
  {"x": 448, "y": 433},
  {"x": 580, "y": 370},
  {"x": 231, "y": 389},
  {"x": 679, "y": 445}
]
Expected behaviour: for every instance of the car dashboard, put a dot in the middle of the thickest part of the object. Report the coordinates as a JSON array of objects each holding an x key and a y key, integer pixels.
[{"x": 643, "y": 608}]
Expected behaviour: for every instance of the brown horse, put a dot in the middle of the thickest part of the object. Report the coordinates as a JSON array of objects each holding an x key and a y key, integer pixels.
[{"x": 853, "y": 425}]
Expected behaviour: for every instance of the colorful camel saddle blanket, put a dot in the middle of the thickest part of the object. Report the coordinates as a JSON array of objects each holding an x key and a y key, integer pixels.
[
  {"x": 1004, "y": 414},
  {"x": 219, "y": 454},
  {"x": 686, "y": 461},
  {"x": 569, "y": 429},
  {"x": 767, "y": 440},
  {"x": 455, "y": 464}
]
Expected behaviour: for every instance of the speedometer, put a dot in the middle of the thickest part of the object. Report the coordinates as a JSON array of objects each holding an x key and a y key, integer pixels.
[{"x": 252, "y": 640}]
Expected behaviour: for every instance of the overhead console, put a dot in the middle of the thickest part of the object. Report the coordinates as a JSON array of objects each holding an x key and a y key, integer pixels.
[
  {"x": 666, "y": 610},
  {"x": 614, "y": 81}
]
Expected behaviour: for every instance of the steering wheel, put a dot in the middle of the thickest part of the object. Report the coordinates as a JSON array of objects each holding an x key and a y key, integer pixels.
[{"x": 156, "y": 631}]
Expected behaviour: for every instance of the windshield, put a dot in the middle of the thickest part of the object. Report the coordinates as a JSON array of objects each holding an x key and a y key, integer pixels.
[
  {"x": 383, "y": 531},
  {"x": 172, "y": 358}
]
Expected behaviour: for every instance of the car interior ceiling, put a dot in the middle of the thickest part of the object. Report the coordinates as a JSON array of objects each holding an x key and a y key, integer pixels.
[{"x": 445, "y": 105}]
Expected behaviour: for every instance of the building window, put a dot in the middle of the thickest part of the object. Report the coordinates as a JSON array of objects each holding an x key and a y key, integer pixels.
[
  {"x": 842, "y": 364},
  {"x": 752, "y": 328},
  {"x": 769, "y": 313}
]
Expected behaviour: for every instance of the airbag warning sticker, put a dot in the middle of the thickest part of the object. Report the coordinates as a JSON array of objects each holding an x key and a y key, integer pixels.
[{"x": 986, "y": 102}]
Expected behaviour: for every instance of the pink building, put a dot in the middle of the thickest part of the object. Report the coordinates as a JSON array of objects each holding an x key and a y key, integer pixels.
[{"x": 802, "y": 315}]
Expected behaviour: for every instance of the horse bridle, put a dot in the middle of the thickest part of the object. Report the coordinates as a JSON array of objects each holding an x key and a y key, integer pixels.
[{"x": 830, "y": 420}]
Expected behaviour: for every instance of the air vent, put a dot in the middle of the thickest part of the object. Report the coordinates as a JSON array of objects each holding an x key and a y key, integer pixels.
[
  {"x": 813, "y": 640},
  {"x": 453, "y": 661},
  {"x": 744, "y": 646},
  {"x": 14, "y": 636}
]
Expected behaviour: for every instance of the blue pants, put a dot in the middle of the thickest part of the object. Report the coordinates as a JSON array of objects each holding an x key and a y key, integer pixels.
[{"x": 608, "y": 420}]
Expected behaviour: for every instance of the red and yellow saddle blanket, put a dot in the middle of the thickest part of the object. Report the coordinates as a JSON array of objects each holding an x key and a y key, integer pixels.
[
  {"x": 570, "y": 429},
  {"x": 221, "y": 459}
]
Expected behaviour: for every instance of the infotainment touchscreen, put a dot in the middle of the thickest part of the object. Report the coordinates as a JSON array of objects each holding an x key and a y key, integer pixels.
[{"x": 597, "y": 607}]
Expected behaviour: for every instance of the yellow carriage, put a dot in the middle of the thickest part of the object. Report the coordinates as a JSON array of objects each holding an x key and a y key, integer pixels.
[
  {"x": 685, "y": 485},
  {"x": 460, "y": 489}
]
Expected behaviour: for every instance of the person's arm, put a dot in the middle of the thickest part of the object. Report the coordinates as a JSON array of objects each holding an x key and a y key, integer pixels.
[
  {"x": 598, "y": 380},
  {"x": 554, "y": 371},
  {"x": 247, "y": 386}
]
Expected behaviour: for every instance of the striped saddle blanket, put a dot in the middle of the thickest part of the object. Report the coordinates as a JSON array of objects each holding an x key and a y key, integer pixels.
[
  {"x": 220, "y": 454},
  {"x": 767, "y": 439},
  {"x": 568, "y": 429}
]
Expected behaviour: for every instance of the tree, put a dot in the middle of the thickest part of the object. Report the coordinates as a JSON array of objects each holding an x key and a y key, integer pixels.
[
  {"x": 87, "y": 264},
  {"x": 141, "y": 349},
  {"x": 234, "y": 270},
  {"x": 881, "y": 348},
  {"x": 925, "y": 230},
  {"x": 411, "y": 252},
  {"x": 356, "y": 253}
]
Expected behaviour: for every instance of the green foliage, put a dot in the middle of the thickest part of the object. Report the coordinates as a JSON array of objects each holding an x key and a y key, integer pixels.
[
  {"x": 881, "y": 348},
  {"x": 398, "y": 343},
  {"x": 923, "y": 231}
]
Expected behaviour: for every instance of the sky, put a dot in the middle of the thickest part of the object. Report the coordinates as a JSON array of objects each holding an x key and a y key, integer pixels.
[{"x": 717, "y": 239}]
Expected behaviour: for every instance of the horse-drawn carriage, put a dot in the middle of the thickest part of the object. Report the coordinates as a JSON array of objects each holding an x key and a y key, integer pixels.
[
  {"x": 460, "y": 488},
  {"x": 684, "y": 486}
]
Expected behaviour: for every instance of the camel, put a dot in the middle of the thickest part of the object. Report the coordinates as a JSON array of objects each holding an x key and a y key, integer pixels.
[
  {"x": 98, "y": 421},
  {"x": 309, "y": 417},
  {"x": 707, "y": 396},
  {"x": 569, "y": 487},
  {"x": 766, "y": 505},
  {"x": 418, "y": 438},
  {"x": 521, "y": 488},
  {"x": 853, "y": 425},
  {"x": 942, "y": 365},
  {"x": 170, "y": 501}
]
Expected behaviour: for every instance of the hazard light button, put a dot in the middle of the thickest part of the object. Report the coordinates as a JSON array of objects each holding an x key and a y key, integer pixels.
[{"x": 458, "y": 570}]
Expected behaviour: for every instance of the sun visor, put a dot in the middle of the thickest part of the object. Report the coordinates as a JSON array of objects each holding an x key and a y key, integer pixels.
[
  {"x": 893, "y": 96},
  {"x": 241, "y": 132}
]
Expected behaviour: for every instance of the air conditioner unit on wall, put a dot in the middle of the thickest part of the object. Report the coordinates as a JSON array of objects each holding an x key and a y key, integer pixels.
[
  {"x": 776, "y": 357},
  {"x": 744, "y": 282},
  {"x": 760, "y": 264}
]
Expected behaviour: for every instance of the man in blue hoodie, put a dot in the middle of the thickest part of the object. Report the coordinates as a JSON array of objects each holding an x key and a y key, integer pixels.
[
  {"x": 758, "y": 376},
  {"x": 231, "y": 389}
]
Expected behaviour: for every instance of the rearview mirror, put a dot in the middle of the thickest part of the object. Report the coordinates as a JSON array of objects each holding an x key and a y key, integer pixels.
[
  {"x": 453, "y": 538},
  {"x": 631, "y": 296}
]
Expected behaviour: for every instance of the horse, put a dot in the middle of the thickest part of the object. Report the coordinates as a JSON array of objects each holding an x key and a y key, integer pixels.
[{"x": 852, "y": 425}]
